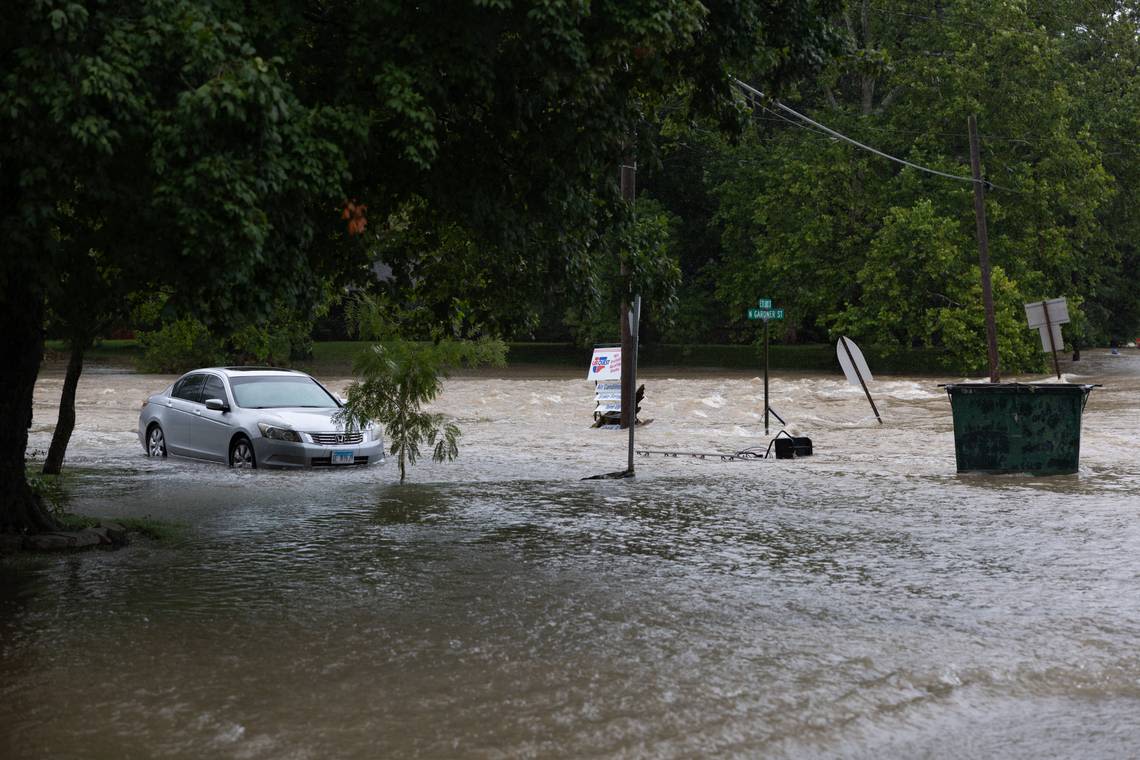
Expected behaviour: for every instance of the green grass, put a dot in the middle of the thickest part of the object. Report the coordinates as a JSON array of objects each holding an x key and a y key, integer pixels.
[
  {"x": 119, "y": 351},
  {"x": 340, "y": 354},
  {"x": 56, "y": 490},
  {"x": 337, "y": 352},
  {"x": 159, "y": 530}
]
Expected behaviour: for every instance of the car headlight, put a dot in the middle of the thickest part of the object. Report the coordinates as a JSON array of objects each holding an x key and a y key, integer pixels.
[{"x": 278, "y": 434}]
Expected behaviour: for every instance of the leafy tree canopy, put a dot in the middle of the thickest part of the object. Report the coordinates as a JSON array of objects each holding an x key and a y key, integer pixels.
[{"x": 849, "y": 241}]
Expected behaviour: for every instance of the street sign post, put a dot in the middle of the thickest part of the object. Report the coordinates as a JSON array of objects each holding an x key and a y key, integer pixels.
[
  {"x": 767, "y": 313},
  {"x": 1047, "y": 317},
  {"x": 855, "y": 368}
]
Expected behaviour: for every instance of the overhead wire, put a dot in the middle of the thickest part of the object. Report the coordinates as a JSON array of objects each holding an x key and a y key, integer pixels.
[{"x": 753, "y": 93}]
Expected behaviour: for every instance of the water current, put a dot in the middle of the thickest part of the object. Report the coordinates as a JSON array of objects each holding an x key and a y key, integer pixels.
[{"x": 865, "y": 602}]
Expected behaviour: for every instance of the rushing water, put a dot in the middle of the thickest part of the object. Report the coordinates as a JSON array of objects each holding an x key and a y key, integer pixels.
[{"x": 865, "y": 602}]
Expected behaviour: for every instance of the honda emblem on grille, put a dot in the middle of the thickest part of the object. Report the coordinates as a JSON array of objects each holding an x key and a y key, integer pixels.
[{"x": 339, "y": 438}]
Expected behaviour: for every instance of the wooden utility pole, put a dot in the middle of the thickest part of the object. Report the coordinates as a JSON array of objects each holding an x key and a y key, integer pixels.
[
  {"x": 628, "y": 402},
  {"x": 983, "y": 249}
]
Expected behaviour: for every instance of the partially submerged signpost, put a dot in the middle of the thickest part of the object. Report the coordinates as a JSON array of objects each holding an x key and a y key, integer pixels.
[
  {"x": 1047, "y": 317},
  {"x": 766, "y": 313},
  {"x": 606, "y": 366},
  {"x": 856, "y": 369}
]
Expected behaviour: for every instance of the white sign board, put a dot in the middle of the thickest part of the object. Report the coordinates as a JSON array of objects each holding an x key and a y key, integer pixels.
[
  {"x": 1058, "y": 342},
  {"x": 848, "y": 367},
  {"x": 1058, "y": 314},
  {"x": 605, "y": 365},
  {"x": 607, "y": 392}
]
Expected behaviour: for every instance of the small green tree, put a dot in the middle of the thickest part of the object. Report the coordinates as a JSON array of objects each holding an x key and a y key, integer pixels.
[{"x": 399, "y": 377}]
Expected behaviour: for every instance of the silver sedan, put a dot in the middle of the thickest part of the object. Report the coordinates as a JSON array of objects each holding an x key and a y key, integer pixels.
[{"x": 254, "y": 417}]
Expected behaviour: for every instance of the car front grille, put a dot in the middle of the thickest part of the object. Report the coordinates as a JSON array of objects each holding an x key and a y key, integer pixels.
[
  {"x": 327, "y": 462},
  {"x": 337, "y": 439}
]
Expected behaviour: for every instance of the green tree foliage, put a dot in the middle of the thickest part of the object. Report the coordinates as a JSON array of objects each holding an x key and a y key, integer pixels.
[
  {"x": 918, "y": 290},
  {"x": 646, "y": 244},
  {"x": 495, "y": 128},
  {"x": 399, "y": 377},
  {"x": 837, "y": 235},
  {"x": 179, "y": 346},
  {"x": 204, "y": 148},
  {"x": 156, "y": 138}
]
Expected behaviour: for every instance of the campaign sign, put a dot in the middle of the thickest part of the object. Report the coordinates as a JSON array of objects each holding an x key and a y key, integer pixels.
[{"x": 605, "y": 364}]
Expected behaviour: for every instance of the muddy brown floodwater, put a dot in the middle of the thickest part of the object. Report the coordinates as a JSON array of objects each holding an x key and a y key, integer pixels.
[{"x": 866, "y": 602}]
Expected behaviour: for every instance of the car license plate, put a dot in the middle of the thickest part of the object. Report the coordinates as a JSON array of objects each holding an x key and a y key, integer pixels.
[{"x": 343, "y": 457}]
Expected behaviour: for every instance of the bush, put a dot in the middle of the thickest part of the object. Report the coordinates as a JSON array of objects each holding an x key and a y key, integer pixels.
[{"x": 178, "y": 347}]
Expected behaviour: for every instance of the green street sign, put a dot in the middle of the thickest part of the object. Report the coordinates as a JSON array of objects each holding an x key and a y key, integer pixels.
[
  {"x": 765, "y": 303},
  {"x": 765, "y": 314}
]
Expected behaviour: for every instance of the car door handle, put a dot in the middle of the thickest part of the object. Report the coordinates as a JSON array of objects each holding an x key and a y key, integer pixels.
[{"x": 198, "y": 412}]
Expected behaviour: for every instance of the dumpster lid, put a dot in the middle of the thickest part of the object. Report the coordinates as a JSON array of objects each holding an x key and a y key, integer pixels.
[{"x": 1030, "y": 387}]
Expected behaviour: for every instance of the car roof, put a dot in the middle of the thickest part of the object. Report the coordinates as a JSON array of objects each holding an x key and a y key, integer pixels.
[{"x": 256, "y": 371}]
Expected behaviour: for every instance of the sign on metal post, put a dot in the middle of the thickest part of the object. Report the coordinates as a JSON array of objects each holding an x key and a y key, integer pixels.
[
  {"x": 1058, "y": 312},
  {"x": 1047, "y": 317},
  {"x": 605, "y": 364},
  {"x": 766, "y": 313},
  {"x": 856, "y": 369},
  {"x": 634, "y": 330}
]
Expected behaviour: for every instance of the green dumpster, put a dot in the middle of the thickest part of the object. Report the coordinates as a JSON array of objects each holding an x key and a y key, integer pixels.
[{"x": 1017, "y": 427}]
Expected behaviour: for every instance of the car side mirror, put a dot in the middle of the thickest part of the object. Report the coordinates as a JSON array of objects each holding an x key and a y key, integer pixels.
[{"x": 217, "y": 405}]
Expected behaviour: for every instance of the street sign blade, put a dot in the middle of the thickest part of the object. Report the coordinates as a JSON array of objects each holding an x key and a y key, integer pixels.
[
  {"x": 764, "y": 303},
  {"x": 1058, "y": 342},
  {"x": 1058, "y": 312},
  {"x": 849, "y": 368}
]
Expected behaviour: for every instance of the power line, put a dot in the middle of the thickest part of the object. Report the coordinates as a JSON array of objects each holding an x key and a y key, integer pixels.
[
  {"x": 754, "y": 93},
  {"x": 786, "y": 120}
]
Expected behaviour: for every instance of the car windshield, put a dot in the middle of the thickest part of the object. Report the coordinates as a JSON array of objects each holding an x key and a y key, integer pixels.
[{"x": 274, "y": 392}]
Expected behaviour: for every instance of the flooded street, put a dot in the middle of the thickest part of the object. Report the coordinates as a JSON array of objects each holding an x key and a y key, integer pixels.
[{"x": 865, "y": 602}]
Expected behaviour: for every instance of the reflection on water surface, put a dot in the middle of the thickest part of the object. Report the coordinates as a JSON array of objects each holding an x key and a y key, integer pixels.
[{"x": 867, "y": 602}]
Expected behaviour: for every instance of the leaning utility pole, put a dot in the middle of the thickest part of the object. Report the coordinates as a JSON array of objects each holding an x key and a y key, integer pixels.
[{"x": 983, "y": 250}]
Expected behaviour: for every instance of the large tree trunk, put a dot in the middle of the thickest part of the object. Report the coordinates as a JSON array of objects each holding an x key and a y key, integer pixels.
[
  {"x": 65, "y": 423},
  {"x": 21, "y": 347}
]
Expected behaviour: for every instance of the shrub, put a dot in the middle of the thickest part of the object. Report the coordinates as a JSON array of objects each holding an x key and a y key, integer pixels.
[{"x": 178, "y": 347}]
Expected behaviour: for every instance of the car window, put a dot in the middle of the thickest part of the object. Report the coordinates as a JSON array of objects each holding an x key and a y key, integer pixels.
[
  {"x": 280, "y": 392},
  {"x": 189, "y": 388},
  {"x": 213, "y": 389}
]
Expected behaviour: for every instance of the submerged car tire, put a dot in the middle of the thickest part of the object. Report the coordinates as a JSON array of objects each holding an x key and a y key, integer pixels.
[
  {"x": 241, "y": 454},
  {"x": 155, "y": 441}
]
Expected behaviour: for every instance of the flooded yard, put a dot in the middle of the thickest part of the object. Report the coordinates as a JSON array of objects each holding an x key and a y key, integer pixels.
[{"x": 865, "y": 602}]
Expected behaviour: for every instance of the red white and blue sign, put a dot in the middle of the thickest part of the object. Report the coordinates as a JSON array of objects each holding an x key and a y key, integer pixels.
[{"x": 605, "y": 364}]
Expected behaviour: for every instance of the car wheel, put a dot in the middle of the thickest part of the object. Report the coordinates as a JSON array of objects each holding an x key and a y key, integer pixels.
[
  {"x": 241, "y": 454},
  {"x": 155, "y": 442}
]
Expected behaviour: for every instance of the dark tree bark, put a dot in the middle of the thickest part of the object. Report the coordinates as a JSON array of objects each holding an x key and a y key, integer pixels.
[
  {"x": 65, "y": 423},
  {"x": 21, "y": 347}
]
